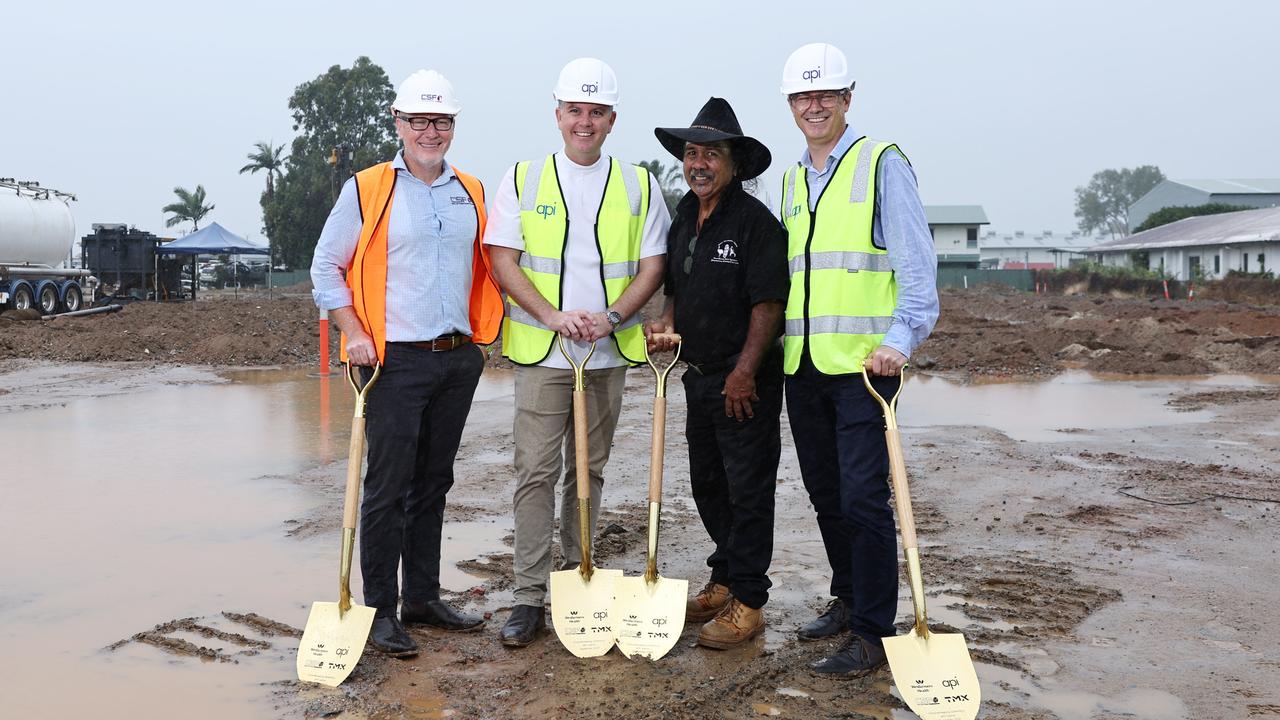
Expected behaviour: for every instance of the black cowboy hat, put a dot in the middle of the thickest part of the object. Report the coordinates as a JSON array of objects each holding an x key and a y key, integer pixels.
[{"x": 715, "y": 123}]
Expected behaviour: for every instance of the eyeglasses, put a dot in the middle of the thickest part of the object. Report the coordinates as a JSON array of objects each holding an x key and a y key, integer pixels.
[
  {"x": 825, "y": 99},
  {"x": 688, "y": 259},
  {"x": 418, "y": 122}
]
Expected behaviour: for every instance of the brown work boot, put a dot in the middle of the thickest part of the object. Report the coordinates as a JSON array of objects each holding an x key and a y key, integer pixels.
[
  {"x": 708, "y": 603},
  {"x": 735, "y": 625}
]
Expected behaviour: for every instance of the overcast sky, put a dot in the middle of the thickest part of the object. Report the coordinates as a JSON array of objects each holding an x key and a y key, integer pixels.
[{"x": 1009, "y": 105}]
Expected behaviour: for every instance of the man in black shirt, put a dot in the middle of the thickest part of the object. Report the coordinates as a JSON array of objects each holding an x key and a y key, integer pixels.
[{"x": 726, "y": 283}]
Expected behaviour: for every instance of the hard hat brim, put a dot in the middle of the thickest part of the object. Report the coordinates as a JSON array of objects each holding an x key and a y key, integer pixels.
[{"x": 425, "y": 107}]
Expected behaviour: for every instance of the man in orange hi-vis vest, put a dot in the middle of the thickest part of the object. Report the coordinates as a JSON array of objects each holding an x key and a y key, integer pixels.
[{"x": 408, "y": 283}]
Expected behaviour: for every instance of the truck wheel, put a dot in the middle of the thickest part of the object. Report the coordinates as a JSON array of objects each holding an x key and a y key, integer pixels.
[
  {"x": 72, "y": 297},
  {"x": 22, "y": 298},
  {"x": 48, "y": 299}
]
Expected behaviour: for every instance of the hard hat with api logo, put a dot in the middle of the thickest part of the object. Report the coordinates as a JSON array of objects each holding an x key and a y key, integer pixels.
[
  {"x": 587, "y": 80},
  {"x": 426, "y": 91},
  {"x": 816, "y": 66}
]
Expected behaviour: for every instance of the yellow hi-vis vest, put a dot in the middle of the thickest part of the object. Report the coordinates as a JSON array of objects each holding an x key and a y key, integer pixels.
[
  {"x": 843, "y": 291},
  {"x": 544, "y": 222}
]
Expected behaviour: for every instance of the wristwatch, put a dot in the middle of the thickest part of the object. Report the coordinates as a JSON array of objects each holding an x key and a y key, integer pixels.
[{"x": 614, "y": 318}]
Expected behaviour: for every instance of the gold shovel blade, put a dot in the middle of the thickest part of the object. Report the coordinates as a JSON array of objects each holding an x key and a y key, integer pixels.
[
  {"x": 333, "y": 642},
  {"x": 935, "y": 675},
  {"x": 648, "y": 617},
  {"x": 580, "y": 610}
]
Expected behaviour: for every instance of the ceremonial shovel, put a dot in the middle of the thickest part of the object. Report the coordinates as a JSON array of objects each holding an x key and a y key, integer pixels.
[
  {"x": 581, "y": 598},
  {"x": 933, "y": 671},
  {"x": 336, "y": 632},
  {"x": 648, "y": 611}
]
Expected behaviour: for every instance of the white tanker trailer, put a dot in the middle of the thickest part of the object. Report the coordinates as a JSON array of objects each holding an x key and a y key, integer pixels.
[{"x": 36, "y": 234}]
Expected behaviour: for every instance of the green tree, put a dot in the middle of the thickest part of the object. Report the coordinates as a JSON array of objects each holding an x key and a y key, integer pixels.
[
  {"x": 670, "y": 178},
  {"x": 1104, "y": 202},
  {"x": 1174, "y": 213},
  {"x": 268, "y": 158},
  {"x": 190, "y": 206},
  {"x": 343, "y": 115}
]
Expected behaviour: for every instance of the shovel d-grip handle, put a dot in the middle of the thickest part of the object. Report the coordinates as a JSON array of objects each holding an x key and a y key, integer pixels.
[
  {"x": 581, "y": 456},
  {"x": 902, "y": 497},
  {"x": 351, "y": 499}
]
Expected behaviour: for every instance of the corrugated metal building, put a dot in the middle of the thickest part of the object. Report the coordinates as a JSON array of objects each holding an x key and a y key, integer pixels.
[
  {"x": 1173, "y": 193},
  {"x": 1200, "y": 247}
]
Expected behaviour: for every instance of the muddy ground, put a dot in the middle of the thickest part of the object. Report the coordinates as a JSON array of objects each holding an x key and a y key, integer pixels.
[{"x": 1105, "y": 575}]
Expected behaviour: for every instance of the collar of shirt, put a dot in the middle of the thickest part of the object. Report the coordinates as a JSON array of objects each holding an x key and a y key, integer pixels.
[
  {"x": 687, "y": 209},
  {"x": 569, "y": 167},
  {"x": 842, "y": 146},
  {"x": 399, "y": 164}
]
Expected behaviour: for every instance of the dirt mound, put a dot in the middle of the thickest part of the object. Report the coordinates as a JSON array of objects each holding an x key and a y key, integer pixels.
[
  {"x": 983, "y": 331},
  {"x": 988, "y": 332}
]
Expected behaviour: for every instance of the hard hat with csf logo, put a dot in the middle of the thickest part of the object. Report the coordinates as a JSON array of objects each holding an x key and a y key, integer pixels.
[
  {"x": 587, "y": 80},
  {"x": 816, "y": 66},
  {"x": 426, "y": 91}
]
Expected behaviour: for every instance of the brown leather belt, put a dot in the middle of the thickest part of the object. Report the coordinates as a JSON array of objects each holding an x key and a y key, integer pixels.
[{"x": 444, "y": 343}]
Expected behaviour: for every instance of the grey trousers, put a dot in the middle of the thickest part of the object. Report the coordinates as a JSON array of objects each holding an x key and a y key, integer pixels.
[{"x": 544, "y": 456}]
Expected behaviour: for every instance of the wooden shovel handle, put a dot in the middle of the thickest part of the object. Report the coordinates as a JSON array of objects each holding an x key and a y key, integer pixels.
[
  {"x": 656, "y": 450},
  {"x": 897, "y": 461},
  {"x": 355, "y": 458},
  {"x": 901, "y": 489},
  {"x": 355, "y": 453},
  {"x": 581, "y": 455}
]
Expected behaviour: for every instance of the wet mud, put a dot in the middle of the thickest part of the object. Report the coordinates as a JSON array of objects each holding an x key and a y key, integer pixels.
[{"x": 1116, "y": 561}]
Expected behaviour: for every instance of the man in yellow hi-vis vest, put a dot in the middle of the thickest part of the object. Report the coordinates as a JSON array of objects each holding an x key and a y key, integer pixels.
[
  {"x": 578, "y": 241},
  {"x": 863, "y": 289}
]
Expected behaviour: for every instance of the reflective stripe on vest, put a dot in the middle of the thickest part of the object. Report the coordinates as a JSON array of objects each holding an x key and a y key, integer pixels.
[
  {"x": 544, "y": 223},
  {"x": 367, "y": 276},
  {"x": 843, "y": 290}
]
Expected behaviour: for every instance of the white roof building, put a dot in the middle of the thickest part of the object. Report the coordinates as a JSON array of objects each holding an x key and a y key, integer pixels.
[{"x": 1025, "y": 251}]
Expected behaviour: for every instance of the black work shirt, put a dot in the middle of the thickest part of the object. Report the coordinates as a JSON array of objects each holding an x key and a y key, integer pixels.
[{"x": 739, "y": 260}]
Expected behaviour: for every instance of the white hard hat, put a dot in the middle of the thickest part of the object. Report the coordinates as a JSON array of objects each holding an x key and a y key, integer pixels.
[
  {"x": 816, "y": 66},
  {"x": 587, "y": 80},
  {"x": 426, "y": 91}
]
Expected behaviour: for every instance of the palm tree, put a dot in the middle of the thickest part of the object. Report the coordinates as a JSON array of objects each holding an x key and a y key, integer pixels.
[
  {"x": 266, "y": 158},
  {"x": 670, "y": 179},
  {"x": 190, "y": 206}
]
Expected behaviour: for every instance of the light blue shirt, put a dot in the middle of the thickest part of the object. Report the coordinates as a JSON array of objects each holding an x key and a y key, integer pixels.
[
  {"x": 430, "y": 241},
  {"x": 901, "y": 229}
]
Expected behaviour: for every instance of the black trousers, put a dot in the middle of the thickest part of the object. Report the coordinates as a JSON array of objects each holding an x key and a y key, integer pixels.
[
  {"x": 838, "y": 430},
  {"x": 733, "y": 471},
  {"x": 414, "y": 420}
]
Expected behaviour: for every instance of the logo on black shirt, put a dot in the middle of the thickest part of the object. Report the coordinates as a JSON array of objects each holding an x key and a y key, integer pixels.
[{"x": 726, "y": 252}]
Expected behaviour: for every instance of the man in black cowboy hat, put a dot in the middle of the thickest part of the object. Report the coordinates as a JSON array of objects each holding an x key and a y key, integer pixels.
[{"x": 726, "y": 282}]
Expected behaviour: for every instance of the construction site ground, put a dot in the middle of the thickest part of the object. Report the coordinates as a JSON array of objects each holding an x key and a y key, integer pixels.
[{"x": 1094, "y": 479}]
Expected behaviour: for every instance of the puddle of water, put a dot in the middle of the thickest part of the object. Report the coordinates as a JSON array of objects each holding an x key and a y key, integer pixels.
[
  {"x": 167, "y": 503},
  {"x": 1041, "y": 411},
  {"x": 1009, "y": 686}
]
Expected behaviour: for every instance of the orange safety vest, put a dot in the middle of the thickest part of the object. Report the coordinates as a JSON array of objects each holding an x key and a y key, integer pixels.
[{"x": 367, "y": 276}]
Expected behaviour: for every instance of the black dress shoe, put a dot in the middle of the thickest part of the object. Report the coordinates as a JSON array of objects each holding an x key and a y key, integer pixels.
[
  {"x": 524, "y": 625},
  {"x": 438, "y": 614},
  {"x": 833, "y": 621},
  {"x": 388, "y": 635},
  {"x": 857, "y": 657}
]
